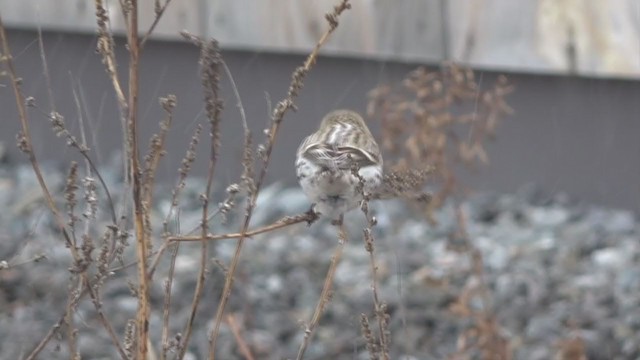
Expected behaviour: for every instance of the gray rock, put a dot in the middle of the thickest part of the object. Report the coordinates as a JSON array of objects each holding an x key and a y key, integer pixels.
[{"x": 554, "y": 270}]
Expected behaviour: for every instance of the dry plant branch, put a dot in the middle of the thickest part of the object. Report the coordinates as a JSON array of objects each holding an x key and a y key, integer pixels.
[
  {"x": 325, "y": 295},
  {"x": 24, "y": 137},
  {"x": 382, "y": 348},
  {"x": 278, "y": 114},
  {"x": 379, "y": 307},
  {"x": 106, "y": 48},
  {"x": 166, "y": 305},
  {"x": 75, "y": 280},
  {"x": 236, "y": 93},
  {"x": 485, "y": 334},
  {"x": 88, "y": 181},
  {"x": 124, "y": 10},
  {"x": 128, "y": 109},
  {"x": 6, "y": 265},
  {"x": 183, "y": 172},
  {"x": 74, "y": 299},
  {"x": 45, "y": 68},
  {"x": 72, "y": 338},
  {"x": 24, "y": 143},
  {"x": 370, "y": 342},
  {"x": 140, "y": 207},
  {"x": 210, "y": 63},
  {"x": 52, "y": 331},
  {"x": 159, "y": 11},
  {"x": 97, "y": 303},
  {"x": 58, "y": 125},
  {"x": 309, "y": 217},
  {"x": 247, "y": 179},
  {"x": 242, "y": 345},
  {"x": 444, "y": 118},
  {"x": 157, "y": 147}
]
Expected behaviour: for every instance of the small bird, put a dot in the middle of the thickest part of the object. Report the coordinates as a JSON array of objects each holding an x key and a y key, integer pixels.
[{"x": 333, "y": 161}]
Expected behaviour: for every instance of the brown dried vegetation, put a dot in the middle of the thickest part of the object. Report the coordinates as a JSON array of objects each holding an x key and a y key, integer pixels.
[
  {"x": 443, "y": 119},
  {"x": 431, "y": 123}
]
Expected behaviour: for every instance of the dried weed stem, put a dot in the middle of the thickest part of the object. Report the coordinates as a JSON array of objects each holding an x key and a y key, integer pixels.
[
  {"x": 378, "y": 306},
  {"x": 24, "y": 143},
  {"x": 5, "y": 265},
  {"x": 242, "y": 345},
  {"x": 308, "y": 217},
  {"x": 157, "y": 147},
  {"x": 183, "y": 172},
  {"x": 210, "y": 62},
  {"x": 105, "y": 48},
  {"x": 265, "y": 152},
  {"x": 325, "y": 295},
  {"x": 159, "y": 11},
  {"x": 24, "y": 137},
  {"x": 442, "y": 118},
  {"x": 166, "y": 304},
  {"x": 140, "y": 206}
]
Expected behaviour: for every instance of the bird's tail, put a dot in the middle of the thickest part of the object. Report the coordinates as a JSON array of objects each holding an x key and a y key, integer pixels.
[{"x": 406, "y": 184}]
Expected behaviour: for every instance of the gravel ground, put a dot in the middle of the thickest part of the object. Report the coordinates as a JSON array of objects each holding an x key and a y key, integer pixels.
[{"x": 557, "y": 269}]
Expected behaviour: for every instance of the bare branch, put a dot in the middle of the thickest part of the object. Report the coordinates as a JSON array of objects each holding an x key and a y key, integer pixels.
[
  {"x": 278, "y": 114},
  {"x": 308, "y": 217},
  {"x": 159, "y": 11},
  {"x": 325, "y": 295}
]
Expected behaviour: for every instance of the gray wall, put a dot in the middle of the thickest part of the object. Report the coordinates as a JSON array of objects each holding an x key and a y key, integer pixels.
[{"x": 568, "y": 134}]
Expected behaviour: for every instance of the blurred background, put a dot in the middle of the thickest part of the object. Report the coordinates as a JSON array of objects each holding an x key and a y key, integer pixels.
[
  {"x": 542, "y": 261},
  {"x": 575, "y": 66}
]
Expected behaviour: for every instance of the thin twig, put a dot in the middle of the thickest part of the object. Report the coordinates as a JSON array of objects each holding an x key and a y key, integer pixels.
[
  {"x": 83, "y": 149},
  {"x": 45, "y": 70},
  {"x": 74, "y": 299},
  {"x": 183, "y": 172},
  {"x": 235, "y": 330},
  {"x": 24, "y": 140},
  {"x": 125, "y": 14},
  {"x": 277, "y": 117},
  {"x": 105, "y": 47},
  {"x": 159, "y": 11},
  {"x": 83, "y": 138},
  {"x": 52, "y": 331},
  {"x": 308, "y": 217},
  {"x": 325, "y": 295},
  {"x": 4, "y": 265},
  {"x": 75, "y": 280},
  {"x": 142, "y": 240},
  {"x": 243, "y": 116},
  {"x": 377, "y": 305},
  {"x": 166, "y": 306},
  {"x": 72, "y": 338},
  {"x": 103, "y": 319},
  {"x": 157, "y": 147},
  {"x": 210, "y": 60}
]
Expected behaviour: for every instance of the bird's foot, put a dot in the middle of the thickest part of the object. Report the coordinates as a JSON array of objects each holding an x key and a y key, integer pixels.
[{"x": 312, "y": 215}]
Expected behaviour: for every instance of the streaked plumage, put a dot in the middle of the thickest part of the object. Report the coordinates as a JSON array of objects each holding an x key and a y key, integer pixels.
[{"x": 325, "y": 161}]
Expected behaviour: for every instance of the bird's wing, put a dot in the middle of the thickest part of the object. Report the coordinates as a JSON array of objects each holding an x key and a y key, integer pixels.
[
  {"x": 342, "y": 158},
  {"x": 404, "y": 184}
]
